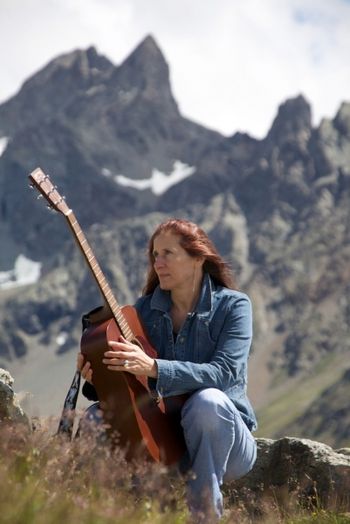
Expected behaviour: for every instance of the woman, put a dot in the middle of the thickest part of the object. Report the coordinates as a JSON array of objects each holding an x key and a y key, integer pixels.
[{"x": 202, "y": 329}]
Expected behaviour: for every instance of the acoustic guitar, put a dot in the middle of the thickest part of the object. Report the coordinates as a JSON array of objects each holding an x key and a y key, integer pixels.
[{"x": 141, "y": 424}]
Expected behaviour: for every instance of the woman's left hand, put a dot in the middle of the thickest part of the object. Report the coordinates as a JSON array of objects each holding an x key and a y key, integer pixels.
[{"x": 126, "y": 356}]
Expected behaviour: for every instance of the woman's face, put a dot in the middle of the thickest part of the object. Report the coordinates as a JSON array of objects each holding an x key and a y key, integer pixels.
[{"x": 174, "y": 266}]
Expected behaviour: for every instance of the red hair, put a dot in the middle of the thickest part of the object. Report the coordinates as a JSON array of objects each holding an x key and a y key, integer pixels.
[{"x": 197, "y": 244}]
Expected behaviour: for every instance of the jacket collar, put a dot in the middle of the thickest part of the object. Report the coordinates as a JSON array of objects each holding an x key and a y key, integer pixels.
[{"x": 161, "y": 299}]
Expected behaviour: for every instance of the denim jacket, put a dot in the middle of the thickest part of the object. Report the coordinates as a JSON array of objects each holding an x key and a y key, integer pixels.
[{"x": 212, "y": 348}]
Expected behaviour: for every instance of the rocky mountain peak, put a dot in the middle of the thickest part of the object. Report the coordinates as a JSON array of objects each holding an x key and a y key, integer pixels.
[
  {"x": 84, "y": 63},
  {"x": 53, "y": 88},
  {"x": 147, "y": 58},
  {"x": 147, "y": 49},
  {"x": 147, "y": 72},
  {"x": 342, "y": 119},
  {"x": 293, "y": 121}
]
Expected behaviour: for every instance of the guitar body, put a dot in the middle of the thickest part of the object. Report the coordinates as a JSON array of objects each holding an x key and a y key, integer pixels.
[{"x": 139, "y": 423}]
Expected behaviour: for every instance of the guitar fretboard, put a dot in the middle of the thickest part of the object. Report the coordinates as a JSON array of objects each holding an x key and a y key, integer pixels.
[{"x": 99, "y": 277}]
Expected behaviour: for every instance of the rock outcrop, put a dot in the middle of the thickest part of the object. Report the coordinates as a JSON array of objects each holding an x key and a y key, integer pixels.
[
  {"x": 302, "y": 471},
  {"x": 10, "y": 410}
]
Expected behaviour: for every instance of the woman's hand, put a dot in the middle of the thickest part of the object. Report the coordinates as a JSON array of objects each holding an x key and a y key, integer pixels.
[
  {"x": 85, "y": 369},
  {"x": 126, "y": 356}
]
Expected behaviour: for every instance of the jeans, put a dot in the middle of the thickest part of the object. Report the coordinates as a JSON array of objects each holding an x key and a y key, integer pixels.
[{"x": 220, "y": 448}]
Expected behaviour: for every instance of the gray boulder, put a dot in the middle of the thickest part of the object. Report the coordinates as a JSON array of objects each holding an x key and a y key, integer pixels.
[
  {"x": 302, "y": 471},
  {"x": 10, "y": 410}
]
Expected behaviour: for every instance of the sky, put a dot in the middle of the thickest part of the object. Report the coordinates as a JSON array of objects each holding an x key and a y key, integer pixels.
[{"x": 232, "y": 62}]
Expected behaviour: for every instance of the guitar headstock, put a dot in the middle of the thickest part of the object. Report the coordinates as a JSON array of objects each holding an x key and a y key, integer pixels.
[{"x": 44, "y": 185}]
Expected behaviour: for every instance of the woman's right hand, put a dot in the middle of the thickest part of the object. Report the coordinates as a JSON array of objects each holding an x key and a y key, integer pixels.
[{"x": 85, "y": 369}]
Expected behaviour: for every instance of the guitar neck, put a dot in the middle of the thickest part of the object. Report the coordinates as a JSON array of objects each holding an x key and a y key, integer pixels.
[{"x": 99, "y": 276}]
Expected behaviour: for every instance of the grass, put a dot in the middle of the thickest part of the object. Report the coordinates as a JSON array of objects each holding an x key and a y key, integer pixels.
[{"x": 48, "y": 480}]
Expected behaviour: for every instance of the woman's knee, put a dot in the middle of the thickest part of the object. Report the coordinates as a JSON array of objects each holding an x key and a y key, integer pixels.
[{"x": 206, "y": 408}]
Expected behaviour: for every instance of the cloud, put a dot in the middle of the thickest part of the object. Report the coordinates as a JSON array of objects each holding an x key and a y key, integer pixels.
[{"x": 231, "y": 62}]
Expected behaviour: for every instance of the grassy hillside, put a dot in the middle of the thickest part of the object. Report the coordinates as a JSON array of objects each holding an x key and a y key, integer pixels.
[{"x": 293, "y": 398}]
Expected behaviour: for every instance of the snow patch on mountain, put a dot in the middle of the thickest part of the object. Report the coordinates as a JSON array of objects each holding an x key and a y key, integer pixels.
[
  {"x": 25, "y": 272},
  {"x": 4, "y": 140},
  {"x": 159, "y": 182},
  {"x": 61, "y": 338}
]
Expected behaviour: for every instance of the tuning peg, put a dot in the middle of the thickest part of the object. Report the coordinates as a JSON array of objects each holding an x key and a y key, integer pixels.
[
  {"x": 43, "y": 178},
  {"x": 61, "y": 199},
  {"x": 52, "y": 190},
  {"x": 31, "y": 185},
  {"x": 39, "y": 196}
]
